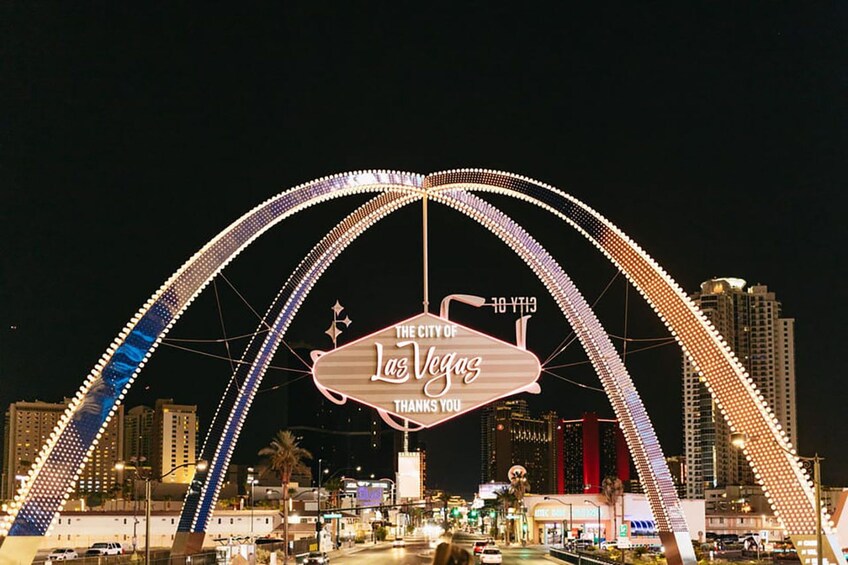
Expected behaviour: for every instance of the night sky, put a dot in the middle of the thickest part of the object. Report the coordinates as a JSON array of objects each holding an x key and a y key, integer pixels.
[{"x": 714, "y": 134}]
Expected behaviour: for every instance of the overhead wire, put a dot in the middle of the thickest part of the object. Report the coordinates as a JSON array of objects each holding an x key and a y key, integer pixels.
[
  {"x": 262, "y": 320},
  {"x": 224, "y": 331},
  {"x": 569, "y": 339}
]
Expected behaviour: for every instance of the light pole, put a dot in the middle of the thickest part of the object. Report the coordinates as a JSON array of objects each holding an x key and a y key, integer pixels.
[
  {"x": 251, "y": 481},
  {"x": 739, "y": 439},
  {"x": 200, "y": 465},
  {"x": 598, "y": 506},
  {"x": 570, "y": 516},
  {"x": 358, "y": 468},
  {"x": 120, "y": 466},
  {"x": 392, "y": 501}
]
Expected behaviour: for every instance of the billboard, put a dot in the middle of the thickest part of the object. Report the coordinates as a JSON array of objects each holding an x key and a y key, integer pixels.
[
  {"x": 425, "y": 370},
  {"x": 487, "y": 491},
  {"x": 409, "y": 475}
]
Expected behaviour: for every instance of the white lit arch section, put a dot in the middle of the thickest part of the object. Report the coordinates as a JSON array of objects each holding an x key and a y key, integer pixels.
[
  {"x": 61, "y": 460},
  {"x": 200, "y": 502},
  {"x": 225, "y": 428},
  {"x": 785, "y": 482}
]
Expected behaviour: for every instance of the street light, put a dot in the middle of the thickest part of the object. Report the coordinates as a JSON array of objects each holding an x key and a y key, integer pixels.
[
  {"x": 570, "y": 516},
  {"x": 199, "y": 465},
  {"x": 251, "y": 480},
  {"x": 598, "y": 506},
  {"x": 739, "y": 439},
  {"x": 392, "y": 501},
  {"x": 120, "y": 466},
  {"x": 321, "y": 473}
]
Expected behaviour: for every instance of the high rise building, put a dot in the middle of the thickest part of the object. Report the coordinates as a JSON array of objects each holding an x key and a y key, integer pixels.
[
  {"x": 27, "y": 427},
  {"x": 510, "y": 436},
  {"x": 750, "y": 321},
  {"x": 138, "y": 436},
  {"x": 591, "y": 449},
  {"x": 677, "y": 468},
  {"x": 491, "y": 415},
  {"x": 174, "y": 440}
]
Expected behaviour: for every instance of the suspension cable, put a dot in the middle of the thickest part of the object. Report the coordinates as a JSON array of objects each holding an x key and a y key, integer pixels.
[{"x": 568, "y": 339}]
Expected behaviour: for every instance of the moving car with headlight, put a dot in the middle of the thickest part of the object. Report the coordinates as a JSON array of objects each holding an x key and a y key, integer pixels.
[{"x": 399, "y": 542}]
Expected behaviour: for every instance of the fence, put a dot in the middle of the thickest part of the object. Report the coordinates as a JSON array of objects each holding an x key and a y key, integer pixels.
[{"x": 580, "y": 558}]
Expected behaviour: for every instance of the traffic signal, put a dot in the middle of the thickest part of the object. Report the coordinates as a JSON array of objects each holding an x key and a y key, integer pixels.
[
  {"x": 455, "y": 512},
  {"x": 472, "y": 515},
  {"x": 492, "y": 514}
]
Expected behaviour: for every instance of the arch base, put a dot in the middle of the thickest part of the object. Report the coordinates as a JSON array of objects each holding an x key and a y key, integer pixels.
[
  {"x": 805, "y": 546},
  {"x": 19, "y": 549},
  {"x": 185, "y": 544},
  {"x": 678, "y": 547}
]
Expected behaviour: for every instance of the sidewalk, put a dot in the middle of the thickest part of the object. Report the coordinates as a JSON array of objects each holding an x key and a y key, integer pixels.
[{"x": 357, "y": 547}]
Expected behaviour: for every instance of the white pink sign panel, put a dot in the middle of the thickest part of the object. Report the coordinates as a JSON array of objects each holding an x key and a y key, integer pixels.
[{"x": 426, "y": 370}]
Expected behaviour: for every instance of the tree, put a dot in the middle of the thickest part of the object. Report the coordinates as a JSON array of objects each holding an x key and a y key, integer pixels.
[
  {"x": 505, "y": 499},
  {"x": 283, "y": 456},
  {"x": 333, "y": 487},
  {"x": 519, "y": 485},
  {"x": 612, "y": 488}
]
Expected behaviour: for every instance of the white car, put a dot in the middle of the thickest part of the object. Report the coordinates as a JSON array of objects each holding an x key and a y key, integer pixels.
[
  {"x": 491, "y": 555},
  {"x": 106, "y": 548},
  {"x": 399, "y": 542},
  {"x": 62, "y": 553}
]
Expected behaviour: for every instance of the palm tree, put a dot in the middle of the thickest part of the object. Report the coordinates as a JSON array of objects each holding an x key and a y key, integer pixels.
[
  {"x": 519, "y": 486},
  {"x": 333, "y": 487},
  {"x": 284, "y": 456},
  {"x": 612, "y": 488},
  {"x": 505, "y": 499}
]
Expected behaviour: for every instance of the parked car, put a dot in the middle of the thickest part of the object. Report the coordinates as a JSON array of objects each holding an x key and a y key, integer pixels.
[
  {"x": 491, "y": 555},
  {"x": 62, "y": 553},
  {"x": 399, "y": 542},
  {"x": 579, "y": 544},
  {"x": 316, "y": 558},
  {"x": 105, "y": 548}
]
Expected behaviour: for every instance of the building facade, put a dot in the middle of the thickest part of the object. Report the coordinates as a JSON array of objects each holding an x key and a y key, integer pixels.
[
  {"x": 138, "y": 435},
  {"x": 510, "y": 436},
  {"x": 591, "y": 449},
  {"x": 174, "y": 440},
  {"x": 492, "y": 415},
  {"x": 28, "y": 425},
  {"x": 750, "y": 321}
]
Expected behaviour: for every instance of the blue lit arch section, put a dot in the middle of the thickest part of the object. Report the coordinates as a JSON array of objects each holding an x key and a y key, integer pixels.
[{"x": 61, "y": 460}]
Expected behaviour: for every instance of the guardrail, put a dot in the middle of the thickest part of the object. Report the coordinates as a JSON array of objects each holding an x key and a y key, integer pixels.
[{"x": 580, "y": 557}]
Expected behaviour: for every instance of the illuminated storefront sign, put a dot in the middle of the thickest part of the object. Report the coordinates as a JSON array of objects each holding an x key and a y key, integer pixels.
[{"x": 426, "y": 370}]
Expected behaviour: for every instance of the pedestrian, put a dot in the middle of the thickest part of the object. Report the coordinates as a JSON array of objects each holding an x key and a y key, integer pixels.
[{"x": 449, "y": 554}]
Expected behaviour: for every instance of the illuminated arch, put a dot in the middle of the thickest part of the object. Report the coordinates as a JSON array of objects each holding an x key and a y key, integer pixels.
[
  {"x": 785, "y": 482},
  {"x": 225, "y": 427},
  {"x": 60, "y": 461},
  {"x": 62, "y": 458},
  {"x": 639, "y": 434}
]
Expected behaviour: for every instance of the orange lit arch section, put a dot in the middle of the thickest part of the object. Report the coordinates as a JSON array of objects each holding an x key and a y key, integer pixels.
[{"x": 784, "y": 480}]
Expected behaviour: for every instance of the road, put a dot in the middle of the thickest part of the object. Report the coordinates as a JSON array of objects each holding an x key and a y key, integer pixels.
[{"x": 419, "y": 553}]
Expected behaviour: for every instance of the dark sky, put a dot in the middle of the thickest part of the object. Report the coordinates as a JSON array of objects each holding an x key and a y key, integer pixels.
[{"x": 714, "y": 134}]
